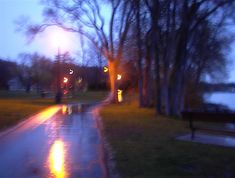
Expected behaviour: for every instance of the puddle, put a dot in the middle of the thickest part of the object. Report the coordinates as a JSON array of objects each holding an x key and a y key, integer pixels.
[{"x": 75, "y": 108}]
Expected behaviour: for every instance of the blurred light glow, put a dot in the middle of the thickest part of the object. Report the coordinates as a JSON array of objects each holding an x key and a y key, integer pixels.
[
  {"x": 41, "y": 117},
  {"x": 48, "y": 113},
  {"x": 106, "y": 69},
  {"x": 66, "y": 92},
  {"x": 119, "y": 76},
  {"x": 79, "y": 80},
  {"x": 70, "y": 71},
  {"x": 70, "y": 111},
  {"x": 79, "y": 107},
  {"x": 65, "y": 80},
  {"x": 64, "y": 109},
  {"x": 56, "y": 159},
  {"x": 119, "y": 92},
  {"x": 59, "y": 39}
]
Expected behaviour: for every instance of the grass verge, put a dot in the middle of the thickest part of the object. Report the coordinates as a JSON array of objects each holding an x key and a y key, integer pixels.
[
  {"x": 145, "y": 147},
  {"x": 15, "y": 106},
  {"x": 90, "y": 96},
  {"x": 14, "y": 110}
]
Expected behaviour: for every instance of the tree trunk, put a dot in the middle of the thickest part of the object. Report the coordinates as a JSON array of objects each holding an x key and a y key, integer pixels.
[
  {"x": 168, "y": 53},
  {"x": 177, "y": 93},
  {"x": 139, "y": 45},
  {"x": 158, "y": 85},
  {"x": 155, "y": 32},
  {"x": 113, "y": 79},
  {"x": 147, "y": 80},
  {"x": 166, "y": 91},
  {"x": 178, "y": 81},
  {"x": 28, "y": 87},
  {"x": 177, "y": 77}
]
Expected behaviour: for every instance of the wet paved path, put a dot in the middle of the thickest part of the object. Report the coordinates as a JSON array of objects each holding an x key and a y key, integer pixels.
[{"x": 53, "y": 144}]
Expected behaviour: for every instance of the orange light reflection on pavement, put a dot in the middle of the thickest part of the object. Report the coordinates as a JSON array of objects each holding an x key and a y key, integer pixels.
[
  {"x": 65, "y": 80},
  {"x": 56, "y": 160},
  {"x": 39, "y": 118},
  {"x": 47, "y": 113},
  {"x": 64, "y": 109}
]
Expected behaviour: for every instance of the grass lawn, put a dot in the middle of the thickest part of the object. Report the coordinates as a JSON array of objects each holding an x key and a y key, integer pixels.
[
  {"x": 144, "y": 146},
  {"x": 90, "y": 96},
  {"x": 15, "y": 106}
]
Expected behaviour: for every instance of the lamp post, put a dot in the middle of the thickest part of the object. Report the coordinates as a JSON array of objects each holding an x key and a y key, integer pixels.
[
  {"x": 59, "y": 42},
  {"x": 119, "y": 91},
  {"x": 58, "y": 95}
]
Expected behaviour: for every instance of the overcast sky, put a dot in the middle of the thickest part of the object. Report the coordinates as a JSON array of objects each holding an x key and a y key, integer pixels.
[{"x": 13, "y": 43}]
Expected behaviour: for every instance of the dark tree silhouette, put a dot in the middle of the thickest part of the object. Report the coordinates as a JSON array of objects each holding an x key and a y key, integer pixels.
[{"x": 86, "y": 18}]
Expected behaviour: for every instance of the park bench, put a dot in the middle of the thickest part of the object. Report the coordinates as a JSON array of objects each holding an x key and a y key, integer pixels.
[{"x": 209, "y": 117}]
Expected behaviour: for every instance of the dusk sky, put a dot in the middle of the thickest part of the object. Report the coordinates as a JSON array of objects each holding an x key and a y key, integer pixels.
[{"x": 13, "y": 43}]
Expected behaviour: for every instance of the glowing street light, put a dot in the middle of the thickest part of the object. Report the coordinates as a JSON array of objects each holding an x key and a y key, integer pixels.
[
  {"x": 65, "y": 80},
  {"x": 119, "y": 76},
  {"x": 70, "y": 71},
  {"x": 80, "y": 80},
  {"x": 64, "y": 109},
  {"x": 119, "y": 92},
  {"x": 106, "y": 69},
  {"x": 59, "y": 40}
]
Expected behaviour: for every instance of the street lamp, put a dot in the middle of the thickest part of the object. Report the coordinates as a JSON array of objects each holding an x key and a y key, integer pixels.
[
  {"x": 119, "y": 76},
  {"x": 106, "y": 69},
  {"x": 119, "y": 92},
  {"x": 66, "y": 80},
  {"x": 59, "y": 40},
  {"x": 71, "y": 71},
  {"x": 58, "y": 95}
]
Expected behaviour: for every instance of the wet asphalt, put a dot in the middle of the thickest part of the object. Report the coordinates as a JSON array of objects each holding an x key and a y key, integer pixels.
[{"x": 59, "y": 142}]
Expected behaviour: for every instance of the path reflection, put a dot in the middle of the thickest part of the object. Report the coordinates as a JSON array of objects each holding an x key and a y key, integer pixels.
[
  {"x": 64, "y": 109},
  {"x": 74, "y": 108},
  {"x": 56, "y": 160}
]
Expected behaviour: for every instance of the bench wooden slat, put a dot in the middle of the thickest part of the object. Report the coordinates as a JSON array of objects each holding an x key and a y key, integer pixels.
[
  {"x": 230, "y": 132},
  {"x": 209, "y": 116},
  {"x": 215, "y": 117}
]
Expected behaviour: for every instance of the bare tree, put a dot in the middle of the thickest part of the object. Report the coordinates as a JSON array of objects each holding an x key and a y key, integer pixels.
[
  {"x": 171, "y": 38},
  {"x": 88, "y": 19},
  {"x": 174, "y": 33}
]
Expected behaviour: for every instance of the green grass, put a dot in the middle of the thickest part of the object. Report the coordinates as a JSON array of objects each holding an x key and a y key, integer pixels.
[
  {"x": 90, "y": 96},
  {"x": 145, "y": 147},
  {"x": 13, "y": 110},
  {"x": 15, "y": 106},
  {"x": 17, "y": 94}
]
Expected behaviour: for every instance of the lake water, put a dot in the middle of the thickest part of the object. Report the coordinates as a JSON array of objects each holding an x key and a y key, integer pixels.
[{"x": 224, "y": 98}]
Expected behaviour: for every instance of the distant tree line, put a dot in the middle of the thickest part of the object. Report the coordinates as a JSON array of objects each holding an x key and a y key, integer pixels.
[
  {"x": 171, "y": 45},
  {"x": 37, "y": 72},
  {"x": 8, "y": 71}
]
